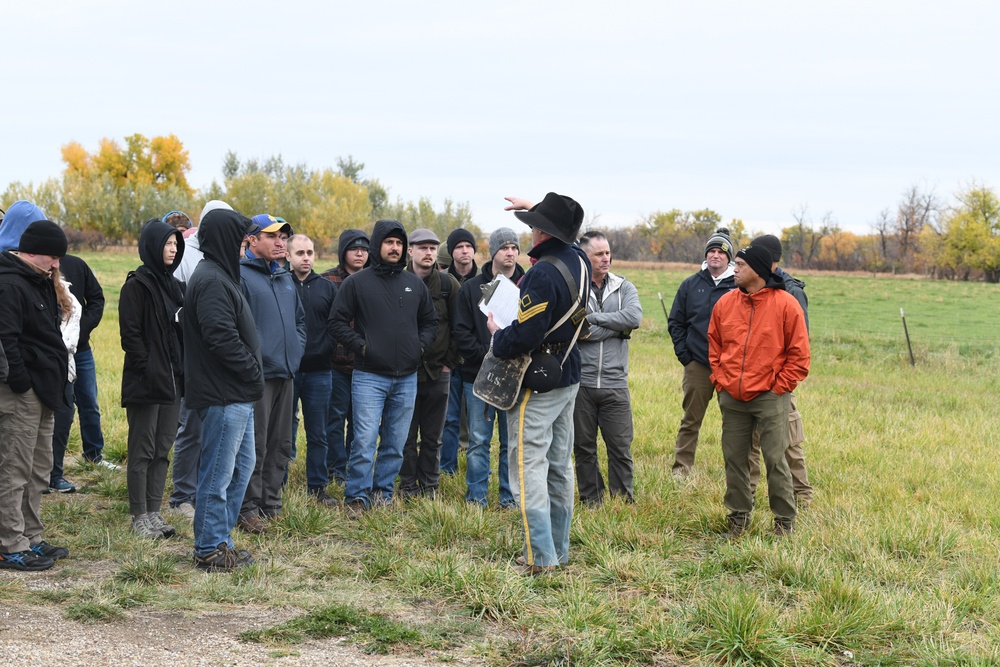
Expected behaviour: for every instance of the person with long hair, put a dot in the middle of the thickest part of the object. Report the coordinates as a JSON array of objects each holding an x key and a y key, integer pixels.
[{"x": 153, "y": 376}]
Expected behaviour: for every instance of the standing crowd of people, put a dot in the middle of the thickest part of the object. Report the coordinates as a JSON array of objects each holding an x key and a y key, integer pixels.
[{"x": 227, "y": 329}]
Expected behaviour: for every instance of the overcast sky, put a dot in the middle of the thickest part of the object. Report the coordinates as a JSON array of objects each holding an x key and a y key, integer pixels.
[{"x": 753, "y": 109}]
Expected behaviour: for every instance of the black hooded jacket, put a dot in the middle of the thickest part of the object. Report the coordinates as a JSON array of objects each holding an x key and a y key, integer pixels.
[
  {"x": 343, "y": 359},
  {"x": 392, "y": 311},
  {"x": 29, "y": 332},
  {"x": 222, "y": 362},
  {"x": 147, "y": 319}
]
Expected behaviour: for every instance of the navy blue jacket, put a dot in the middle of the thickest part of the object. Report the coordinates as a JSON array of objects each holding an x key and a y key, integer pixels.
[
  {"x": 690, "y": 315},
  {"x": 545, "y": 298},
  {"x": 278, "y": 314}
]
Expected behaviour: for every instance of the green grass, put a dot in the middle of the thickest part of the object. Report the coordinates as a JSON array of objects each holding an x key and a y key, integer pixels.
[{"x": 894, "y": 563}]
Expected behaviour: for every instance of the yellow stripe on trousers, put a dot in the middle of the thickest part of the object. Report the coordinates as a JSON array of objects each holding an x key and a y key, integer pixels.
[{"x": 528, "y": 557}]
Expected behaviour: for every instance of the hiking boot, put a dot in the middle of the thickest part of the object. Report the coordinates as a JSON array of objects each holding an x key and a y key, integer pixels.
[
  {"x": 783, "y": 529},
  {"x": 26, "y": 561},
  {"x": 355, "y": 509},
  {"x": 251, "y": 523},
  {"x": 223, "y": 559},
  {"x": 43, "y": 548},
  {"x": 320, "y": 496},
  {"x": 738, "y": 524},
  {"x": 60, "y": 485},
  {"x": 142, "y": 527},
  {"x": 157, "y": 521}
]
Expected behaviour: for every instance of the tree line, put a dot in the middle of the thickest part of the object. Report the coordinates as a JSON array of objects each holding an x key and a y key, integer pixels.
[{"x": 103, "y": 197}]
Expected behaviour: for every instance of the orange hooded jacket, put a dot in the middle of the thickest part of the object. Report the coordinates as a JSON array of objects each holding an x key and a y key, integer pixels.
[{"x": 758, "y": 342}]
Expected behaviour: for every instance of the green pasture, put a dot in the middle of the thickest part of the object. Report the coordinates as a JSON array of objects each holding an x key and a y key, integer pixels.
[{"x": 894, "y": 563}]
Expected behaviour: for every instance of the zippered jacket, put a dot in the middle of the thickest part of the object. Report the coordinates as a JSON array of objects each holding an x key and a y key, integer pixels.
[
  {"x": 690, "y": 314},
  {"x": 758, "y": 342},
  {"x": 317, "y": 295},
  {"x": 612, "y": 317},
  {"x": 222, "y": 363},
  {"x": 392, "y": 311},
  {"x": 278, "y": 314}
]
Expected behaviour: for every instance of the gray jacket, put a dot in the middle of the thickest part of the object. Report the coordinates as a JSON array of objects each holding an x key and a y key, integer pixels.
[{"x": 612, "y": 315}]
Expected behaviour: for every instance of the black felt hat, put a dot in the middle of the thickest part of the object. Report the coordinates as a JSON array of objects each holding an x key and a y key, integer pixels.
[{"x": 557, "y": 215}]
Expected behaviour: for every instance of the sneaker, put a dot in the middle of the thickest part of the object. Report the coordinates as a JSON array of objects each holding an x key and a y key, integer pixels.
[
  {"x": 251, "y": 523},
  {"x": 320, "y": 496},
  {"x": 521, "y": 567},
  {"x": 223, "y": 559},
  {"x": 60, "y": 485},
  {"x": 186, "y": 510},
  {"x": 26, "y": 561},
  {"x": 102, "y": 463},
  {"x": 142, "y": 527},
  {"x": 43, "y": 548},
  {"x": 157, "y": 521}
]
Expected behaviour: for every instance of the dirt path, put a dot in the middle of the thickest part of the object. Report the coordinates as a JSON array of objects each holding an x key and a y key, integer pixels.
[{"x": 32, "y": 635}]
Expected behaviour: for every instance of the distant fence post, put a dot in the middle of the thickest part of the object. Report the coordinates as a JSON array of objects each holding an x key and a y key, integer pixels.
[{"x": 907, "y": 332}]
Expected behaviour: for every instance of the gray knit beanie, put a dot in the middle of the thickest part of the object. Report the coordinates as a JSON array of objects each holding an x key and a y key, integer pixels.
[
  {"x": 501, "y": 237},
  {"x": 721, "y": 240}
]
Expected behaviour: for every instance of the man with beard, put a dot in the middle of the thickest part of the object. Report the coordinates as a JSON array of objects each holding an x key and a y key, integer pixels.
[{"x": 394, "y": 322}]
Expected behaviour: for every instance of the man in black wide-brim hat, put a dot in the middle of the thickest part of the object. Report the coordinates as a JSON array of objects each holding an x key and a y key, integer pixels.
[{"x": 540, "y": 425}]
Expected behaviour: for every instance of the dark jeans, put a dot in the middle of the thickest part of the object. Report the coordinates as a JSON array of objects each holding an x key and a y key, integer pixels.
[
  {"x": 338, "y": 446},
  {"x": 313, "y": 388},
  {"x": 421, "y": 457},
  {"x": 187, "y": 452},
  {"x": 84, "y": 398},
  {"x": 452, "y": 425}
]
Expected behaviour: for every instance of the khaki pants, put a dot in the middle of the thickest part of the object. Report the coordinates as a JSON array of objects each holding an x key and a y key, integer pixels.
[
  {"x": 794, "y": 455},
  {"x": 698, "y": 392},
  {"x": 767, "y": 413},
  {"x": 25, "y": 463}
]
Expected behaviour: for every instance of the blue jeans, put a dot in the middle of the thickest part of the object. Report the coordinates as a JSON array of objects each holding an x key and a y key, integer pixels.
[
  {"x": 227, "y": 461},
  {"x": 482, "y": 416},
  {"x": 313, "y": 388},
  {"x": 449, "y": 438},
  {"x": 81, "y": 394},
  {"x": 541, "y": 448},
  {"x": 383, "y": 406},
  {"x": 187, "y": 450},
  {"x": 338, "y": 446}
]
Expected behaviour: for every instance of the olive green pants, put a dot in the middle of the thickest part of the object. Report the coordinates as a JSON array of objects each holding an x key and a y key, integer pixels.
[{"x": 767, "y": 412}]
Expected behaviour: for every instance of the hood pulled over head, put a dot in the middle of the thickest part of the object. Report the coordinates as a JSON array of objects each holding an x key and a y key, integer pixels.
[
  {"x": 384, "y": 229},
  {"x": 220, "y": 236}
]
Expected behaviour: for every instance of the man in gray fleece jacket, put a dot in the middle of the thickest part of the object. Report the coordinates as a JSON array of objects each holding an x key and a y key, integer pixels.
[{"x": 613, "y": 311}]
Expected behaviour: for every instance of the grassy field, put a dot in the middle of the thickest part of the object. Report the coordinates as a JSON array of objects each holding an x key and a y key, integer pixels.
[{"x": 894, "y": 563}]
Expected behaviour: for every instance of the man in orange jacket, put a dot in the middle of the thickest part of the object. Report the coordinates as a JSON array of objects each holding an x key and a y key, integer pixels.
[{"x": 758, "y": 349}]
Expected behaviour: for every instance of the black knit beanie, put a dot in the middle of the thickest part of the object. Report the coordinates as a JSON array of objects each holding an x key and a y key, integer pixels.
[
  {"x": 43, "y": 237},
  {"x": 772, "y": 243},
  {"x": 758, "y": 258},
  {"x": 457, "y": 236}
]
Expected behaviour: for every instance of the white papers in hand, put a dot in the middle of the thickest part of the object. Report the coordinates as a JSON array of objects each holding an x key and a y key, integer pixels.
[{"x": 501, "y": 297}]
